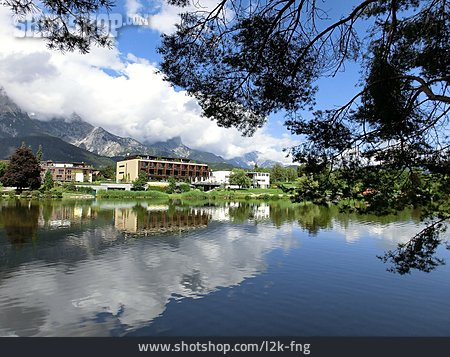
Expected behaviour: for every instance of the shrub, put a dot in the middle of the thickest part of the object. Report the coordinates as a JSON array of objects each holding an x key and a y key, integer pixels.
[
  {"x": 185, "y": 187},
  {"x": 195, "y": 195},
  {"x": 57, "y": 194},
  {"x": 24, "y": 194},
  {"x": 131, "y": 194},
  {"x": 157, "y": 188}
]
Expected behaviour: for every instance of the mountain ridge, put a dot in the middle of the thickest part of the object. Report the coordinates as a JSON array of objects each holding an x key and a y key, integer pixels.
[{"x": 102, "y": 144}]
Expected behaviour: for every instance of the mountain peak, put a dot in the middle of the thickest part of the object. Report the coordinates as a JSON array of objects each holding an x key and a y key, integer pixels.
[
  {"x": 75, "y": 118},
  {"x": 174, "y": 142},
  {"x": 6, "y": 103}
]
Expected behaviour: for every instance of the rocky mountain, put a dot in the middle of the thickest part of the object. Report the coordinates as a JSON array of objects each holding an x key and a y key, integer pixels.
[
  {"x": 16, "y": 127},
  {"x": 78, "y": 132},
  {"x": 14, "y": 122},
  {"x": 249, "y": 160},
  {"x": 53, "y": 149},
  {"x": 81, "y": 141},
  {"x": 175, "y": 147}
]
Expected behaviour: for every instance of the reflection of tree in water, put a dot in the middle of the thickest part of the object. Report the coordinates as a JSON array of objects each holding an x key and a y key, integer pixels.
[
  {"x": 47, "y": 211},
  {"x": 20, "y": 221},
  {"x": 314, "y": 218},
  {"x": 241, "y": 213},
  {"x": 418, "y": 253},
  {"x": 193, "y": 282}
]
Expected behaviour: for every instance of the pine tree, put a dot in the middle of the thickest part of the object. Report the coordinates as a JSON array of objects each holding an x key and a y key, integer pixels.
[
  {"x": 140, "y": 182},
  {"x": 48, "y": 183},
  {"x": 39, "y": 153}
]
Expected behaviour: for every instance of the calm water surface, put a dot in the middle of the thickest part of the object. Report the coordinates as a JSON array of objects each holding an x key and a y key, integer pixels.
[{"x": 136, "y": 268}]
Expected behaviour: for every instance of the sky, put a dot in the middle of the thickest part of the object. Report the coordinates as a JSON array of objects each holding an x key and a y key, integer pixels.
[{"x": 119, "y": 89}]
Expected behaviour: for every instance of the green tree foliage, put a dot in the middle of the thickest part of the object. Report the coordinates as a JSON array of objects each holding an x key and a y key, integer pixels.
[
  {"x": 23, "y": 170},
  {"x": 172, "y": 185},
  {"x": 185, "y": 187},
  {"x": 39, "y": 153},
  {"x": 243, "y": 67},
  {"x": 140, "y": 182},
  {"x": 48, "y": 183},
  {"x": 240, "y": 178},
  {"x": 389, "y": 140},
  {"x": 280, "y": 174},
  {"x": 105, "y": 173},
  {"x": 291, "y": 174},
  {"x": 3, "y": 167},
  {"x": 108, "y": 172}
]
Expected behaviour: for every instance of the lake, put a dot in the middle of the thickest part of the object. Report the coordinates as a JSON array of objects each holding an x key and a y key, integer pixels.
[{"x": 106, "y": 268}]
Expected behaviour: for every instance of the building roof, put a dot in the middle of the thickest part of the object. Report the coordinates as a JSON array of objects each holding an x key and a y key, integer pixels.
[
  {"x": 162, "y": 158},
  {"x": 74, "y": 164}
]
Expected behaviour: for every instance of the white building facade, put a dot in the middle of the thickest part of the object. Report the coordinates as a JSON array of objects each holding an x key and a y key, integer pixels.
[{"x": 259, "y": 179}]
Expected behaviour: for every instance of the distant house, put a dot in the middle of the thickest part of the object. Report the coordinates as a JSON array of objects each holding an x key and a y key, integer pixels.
[
  {"x": 259, "y": 179},
  {"x": 67, "y": 171},
  {"x": 221, "y": 177},
  {"x": 161, "y": 168}
]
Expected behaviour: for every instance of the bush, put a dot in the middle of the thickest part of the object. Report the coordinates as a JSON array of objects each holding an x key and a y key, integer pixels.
[
  {"x": 58, "y": 189},
  {"x": 82, "y": 189},
  {"x": 131, "y": 194},
  {"x": 157, "y": 188},
  {"x": 25, "y": 194},
  {"x": 69, "y": 187},
  {"x": 195, "y": 195},
  {"x": 185, "y": 187}
]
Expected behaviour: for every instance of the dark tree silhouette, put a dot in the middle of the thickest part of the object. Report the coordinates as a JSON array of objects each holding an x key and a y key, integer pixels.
[
  {"x": 245, "y": 60},
  {"x": 418, "y": 253},
  {"x": 23, "y": 170}
]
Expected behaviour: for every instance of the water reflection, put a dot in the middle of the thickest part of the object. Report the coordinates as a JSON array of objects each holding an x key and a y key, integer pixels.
[
  {"x": 108, "y": 268},
  {"x": 158, "y": 219},
  {"x": 118, "y": 284},
  {"x": 20, "y": 222}
]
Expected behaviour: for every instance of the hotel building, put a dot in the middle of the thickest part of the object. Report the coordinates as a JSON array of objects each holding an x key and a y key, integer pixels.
[
  {"x": 67, "y": 171},
  {"x": 161, "y": 168}
]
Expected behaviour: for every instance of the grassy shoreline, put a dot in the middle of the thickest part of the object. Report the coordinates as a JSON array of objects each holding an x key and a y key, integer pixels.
[{"x": 193, "y": 195}]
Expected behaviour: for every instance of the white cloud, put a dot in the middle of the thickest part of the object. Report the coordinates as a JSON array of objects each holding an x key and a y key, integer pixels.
[
  {"x": 166, "y": 16},
  {"x": 120, "y": 92},
  {"x": 158, "y": 275},
  {"x": 133, "y": 6}
]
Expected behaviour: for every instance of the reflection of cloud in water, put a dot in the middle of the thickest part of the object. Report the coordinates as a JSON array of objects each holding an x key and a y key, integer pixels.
[
  {"x": 129, "y": 284},
  {"x": 390, "y": 233}
]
